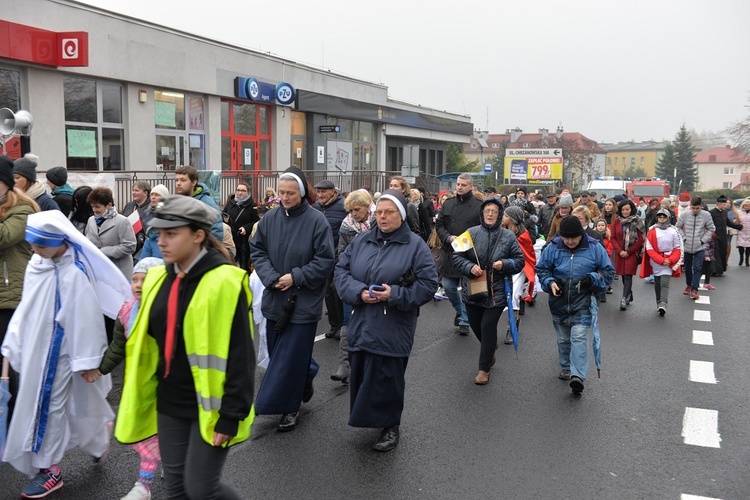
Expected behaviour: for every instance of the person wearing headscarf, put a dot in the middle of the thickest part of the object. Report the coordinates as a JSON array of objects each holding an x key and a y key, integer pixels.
[
  {"x": 627, "y": 240},
  {"x": 663, "y": 257},
  {"x": 495, "y": 255},
  {"x": 62, "y": 192},
  {"x": 572, "y": 269},
  {"x": 293, "y": 253},
  {"x": 382, "y": 328},
  {"x": 189, "y": 360},
  {"x": 57, "y": 333},
  {"x": 523, "y": 282},
  {"x": 24, "y": 173}
]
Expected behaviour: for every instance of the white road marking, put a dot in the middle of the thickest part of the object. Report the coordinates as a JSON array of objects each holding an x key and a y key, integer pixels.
[
  {"x": 703, "y": 337},
  {"x": 701, "y": 427},
  {"x": 702, "y": 371},
  {"x": 685, "y": 496},
  {"x": 320, "y": 337},
  {"x": 703, "y": 299},
  {"x": 699, "y": 315}
]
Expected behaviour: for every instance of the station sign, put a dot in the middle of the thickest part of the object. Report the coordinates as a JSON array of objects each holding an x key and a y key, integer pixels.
[
  {"x": 533, "y": 166},
  {"x": 256, "y": 90}
]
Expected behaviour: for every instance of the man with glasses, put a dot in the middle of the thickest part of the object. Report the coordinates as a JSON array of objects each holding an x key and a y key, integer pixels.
[
  {"x": 331, "y": 204},
  {"x": 695, "y": 227},
  {"x": 457, "y": 215}
]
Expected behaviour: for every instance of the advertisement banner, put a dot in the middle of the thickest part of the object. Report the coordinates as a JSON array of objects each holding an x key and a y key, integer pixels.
[{"x": 533, "y": 166}]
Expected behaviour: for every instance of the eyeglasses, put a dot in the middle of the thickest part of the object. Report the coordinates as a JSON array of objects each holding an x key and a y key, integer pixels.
[
  {"x": 490, "y": 212},
  {"x": 387, "y": 213},
  {"x": 662, "y": 215},
  {"x": 241, "y": 190}
]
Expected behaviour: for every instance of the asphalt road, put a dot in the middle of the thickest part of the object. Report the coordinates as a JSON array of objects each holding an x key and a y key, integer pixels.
[{"x": 522, "y": 436}]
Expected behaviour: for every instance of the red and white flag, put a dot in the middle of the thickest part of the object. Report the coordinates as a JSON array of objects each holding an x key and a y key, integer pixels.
[{"x": 135, "y": 221}]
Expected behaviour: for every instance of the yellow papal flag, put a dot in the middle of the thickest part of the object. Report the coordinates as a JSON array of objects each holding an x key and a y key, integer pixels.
[{"x": 463, "y": 242}]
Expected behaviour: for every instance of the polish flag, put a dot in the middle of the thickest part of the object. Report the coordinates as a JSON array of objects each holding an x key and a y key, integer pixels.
[{"x": 135, "y": 221}]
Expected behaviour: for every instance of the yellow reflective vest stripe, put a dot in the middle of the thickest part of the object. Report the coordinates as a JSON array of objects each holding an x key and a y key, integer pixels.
[{"x": 211, "y": 309}]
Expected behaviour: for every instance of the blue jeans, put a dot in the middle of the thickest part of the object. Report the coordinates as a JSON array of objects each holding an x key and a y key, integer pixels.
[
  {"x": 573, "y": 343},
  {"x": 451, "y": 288},
  {"x": 693, "y": 269}
]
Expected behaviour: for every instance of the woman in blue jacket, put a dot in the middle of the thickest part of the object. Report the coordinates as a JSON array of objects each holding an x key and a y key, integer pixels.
[
  {"x": 381, "y": 329},
  {"x": 293, "y": 254},
  {"x": 496, "y": 254}
]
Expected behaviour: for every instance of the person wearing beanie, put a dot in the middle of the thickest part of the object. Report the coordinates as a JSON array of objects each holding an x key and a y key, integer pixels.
[
  {"x": 150, "y": 245},
  {"x": 190, "y": 361},
  {"x": 721, "y": 237},
  {"x": 663, "y": 257},
  {"x": 387, "y": 273},
  {"x": 24, "y": 174},
  {"x": 456, "y": 215},
  {"x": 186, "y": 183},
  {"x": 564, "y": 208},
  {"x": 523, "y": 281},
  {"x": 293, "y": 253},
  {"x": 62, "y": 192},
  {"x": 628, "y": 232},
  {"x": 522, "y": 197},
  {"x": 573, "y": 268}
]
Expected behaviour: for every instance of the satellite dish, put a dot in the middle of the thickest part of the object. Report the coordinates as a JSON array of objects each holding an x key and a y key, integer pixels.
[{"x": 10, "y": 121}]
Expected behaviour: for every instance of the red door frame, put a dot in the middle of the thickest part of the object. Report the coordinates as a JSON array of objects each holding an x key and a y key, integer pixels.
[{"x": 235, "y": 139}]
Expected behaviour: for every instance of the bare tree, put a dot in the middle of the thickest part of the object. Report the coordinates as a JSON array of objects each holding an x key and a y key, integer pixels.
[{"x": 740, "y": 135}]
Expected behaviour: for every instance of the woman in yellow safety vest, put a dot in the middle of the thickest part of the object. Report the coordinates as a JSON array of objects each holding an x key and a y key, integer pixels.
[{"x": 190, "y": 361}]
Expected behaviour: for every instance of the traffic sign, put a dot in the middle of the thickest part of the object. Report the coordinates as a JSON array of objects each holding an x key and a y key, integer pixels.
[
  {"x": 553, "y": 152},
  {"x": 488, "y": 168}
]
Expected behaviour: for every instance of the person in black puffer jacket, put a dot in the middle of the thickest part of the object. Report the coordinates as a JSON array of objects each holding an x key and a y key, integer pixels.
[
  {"x": 242, "y": 213},
  {"x": 496, "y": 253}
]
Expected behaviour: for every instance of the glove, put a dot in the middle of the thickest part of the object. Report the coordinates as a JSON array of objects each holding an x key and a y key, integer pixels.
[{"x": 585, "y": 284}]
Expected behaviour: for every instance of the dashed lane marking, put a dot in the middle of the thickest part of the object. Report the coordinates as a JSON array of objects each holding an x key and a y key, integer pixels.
[
  {"x": 685, "y": 496},
  {"x": 703, "y": 337},
  {"x": 703, "y": 299},
  {"x": 699, "y": 315},
  {"x": 700, "y": 427},
  {"x": 702, "y": 371}
]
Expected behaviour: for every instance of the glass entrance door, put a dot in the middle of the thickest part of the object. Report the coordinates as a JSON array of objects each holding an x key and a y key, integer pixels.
[
  {"x": 170, "y": 151},
  {"x": 245, "y": 136}
]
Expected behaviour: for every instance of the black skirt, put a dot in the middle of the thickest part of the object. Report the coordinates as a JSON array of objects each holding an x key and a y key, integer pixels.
[{"x": 376, "y": 389}]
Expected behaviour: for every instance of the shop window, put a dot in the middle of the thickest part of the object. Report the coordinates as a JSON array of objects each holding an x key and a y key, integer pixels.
[
  {"x": 179, "y": 120},
  {"x": 94, "y": 132},
  {"x": 10, "y": 89}
]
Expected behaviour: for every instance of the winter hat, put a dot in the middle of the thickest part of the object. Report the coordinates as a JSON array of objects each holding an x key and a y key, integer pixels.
[
  {"x": 57, "y": 176},
  {"x": 26, "y": 167},
  {"x": 570, "y": 227},
  {"x": 146, "y": 263},
  {"x": 618, "y": 198},
  {"x": 6, "y": 171},
  {"x": 522, "y": 188},
  {"x": 684, "y": 197},
  {"x": 397, "y": 197},
  {"x": 663, "y": 211},
  {"x": 721, "y": 199},
  {"x": 565, "y": 201},
  {"x": 515, "y": 214},
  {"x": 161, "y": 190}
]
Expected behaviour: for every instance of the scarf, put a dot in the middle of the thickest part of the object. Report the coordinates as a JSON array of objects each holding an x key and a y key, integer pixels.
[
  {"x": 111, "y": 212},
  {"x": 35, "y": 190},
  {"x": 631, "y": 226},
  {"x": 64, "y": 189},
  {"x": 241, "y": 199},
  {"x": 357, "y": 227},
  {"x": 663, "y": 225}
]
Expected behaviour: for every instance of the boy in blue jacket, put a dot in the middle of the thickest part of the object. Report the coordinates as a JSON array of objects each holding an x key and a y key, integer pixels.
[{"x": 572, "y": 268}]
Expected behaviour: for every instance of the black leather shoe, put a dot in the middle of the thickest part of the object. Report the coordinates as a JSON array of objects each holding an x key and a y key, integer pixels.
[
  {"x": 576, "y": 384},
  {"x": 388, "y": 439},
  {"x": 288, "y": 422},
  {"x": 455, "y": 320},
  {"x": 463, "y": 330},
  {"x": 333, "y": 333},
  {"x": 309, "y": 391}
]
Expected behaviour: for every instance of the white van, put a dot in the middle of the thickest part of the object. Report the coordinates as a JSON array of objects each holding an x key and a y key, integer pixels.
[{"x": 608, "y": 186}]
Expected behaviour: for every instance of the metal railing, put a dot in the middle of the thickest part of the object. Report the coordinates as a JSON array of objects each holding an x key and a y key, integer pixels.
[{"x": 259, "y": 181}]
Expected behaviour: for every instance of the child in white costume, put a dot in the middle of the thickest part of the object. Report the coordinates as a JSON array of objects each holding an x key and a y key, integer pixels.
[{"x": 56, "y": 331}]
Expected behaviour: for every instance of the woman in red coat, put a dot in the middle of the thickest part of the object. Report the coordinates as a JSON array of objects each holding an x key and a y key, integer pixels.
[{"x": 627, "y": 240}]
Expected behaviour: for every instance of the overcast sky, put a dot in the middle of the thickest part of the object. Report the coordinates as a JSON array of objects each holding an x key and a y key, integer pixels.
[{"x": 612, "y": 70}]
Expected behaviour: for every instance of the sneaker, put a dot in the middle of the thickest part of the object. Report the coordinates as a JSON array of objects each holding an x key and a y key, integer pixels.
[
  {"x": 694, "y": 295},
  {"x": 564, "y": 374},
  {"x": 42, "y": 485},
  {"x": 440, "y": 294},
  {"x": 576, "y": 384},
  {"x": 139, "y": 492},
  {"x": 709, "y": 287},
  {"x": 508, "y": 338},
  {"x": 662, "y": 309},
  {"x": 650, "y": 280},
  {"x": 609, "y": 290},
  {"x": 686, "y": 291},
  {"x": 463, "y": 330}
]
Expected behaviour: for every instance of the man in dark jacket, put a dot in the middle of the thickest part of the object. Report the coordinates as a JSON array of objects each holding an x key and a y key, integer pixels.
[
  {"x": 456, "y": 216},
  {"x": 546, "y": 214},
  {"x": 721, "y": 221},
  {"x": 331, "y": 204},
  {"x": 571, "y": 269},
  {"x": 62, "y": 193}
]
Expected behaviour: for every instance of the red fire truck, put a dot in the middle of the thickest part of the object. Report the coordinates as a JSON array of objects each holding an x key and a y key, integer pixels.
[{"x": 647, "y": 189}]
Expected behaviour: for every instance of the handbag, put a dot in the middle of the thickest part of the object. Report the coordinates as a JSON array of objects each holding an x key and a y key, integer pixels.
[{"x": 478, "y": 291}]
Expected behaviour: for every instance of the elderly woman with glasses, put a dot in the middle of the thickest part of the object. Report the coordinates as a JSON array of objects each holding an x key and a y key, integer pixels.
[
  {"x": 242, "y": 214},
  {"x": 494, "y": 256},
  {"x": 386, "y": 274}
]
